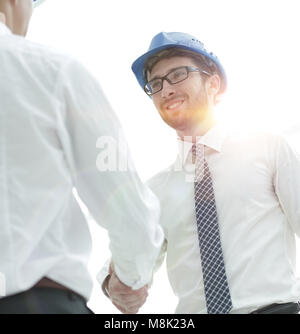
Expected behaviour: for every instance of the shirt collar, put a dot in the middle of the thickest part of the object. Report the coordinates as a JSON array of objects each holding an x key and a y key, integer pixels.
[
  {"x": 213, "y": 139},
  {"x": 4, "y": 30}
]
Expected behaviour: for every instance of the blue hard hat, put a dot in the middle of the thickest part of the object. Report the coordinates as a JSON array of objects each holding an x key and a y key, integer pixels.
[
  {"x": 37, "y": 3},
  {"x": 166, "y": 40}
]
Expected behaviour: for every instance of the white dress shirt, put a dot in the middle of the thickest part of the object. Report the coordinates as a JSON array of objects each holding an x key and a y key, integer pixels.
[
  {"x": 256, "y": 179},
  {"x": 52, "y": 115}
]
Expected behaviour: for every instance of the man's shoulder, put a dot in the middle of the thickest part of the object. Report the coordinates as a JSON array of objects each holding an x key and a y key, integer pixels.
[
  {"x": 39, "y": 55},
  {"x": 259, "y": 138},
  {"x": 263, "y": 144}
]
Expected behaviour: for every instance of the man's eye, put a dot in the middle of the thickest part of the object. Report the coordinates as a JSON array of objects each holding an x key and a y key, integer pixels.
[
  {"x": 155, "y": 84},
  {"x": 178, "y": 75}
]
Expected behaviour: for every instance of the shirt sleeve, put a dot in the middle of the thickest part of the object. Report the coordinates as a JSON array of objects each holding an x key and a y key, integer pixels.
[
  {"x": 105, "y": 178},
  {"x": 159, "y": 261},
  {"x": 287, "y": 181},
  {"x": 104, "y": 271},
  {"x": 102, "y": 275}
]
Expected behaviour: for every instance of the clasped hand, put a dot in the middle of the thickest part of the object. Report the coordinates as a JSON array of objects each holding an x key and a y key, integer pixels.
[{"x": 124, "y": 297}]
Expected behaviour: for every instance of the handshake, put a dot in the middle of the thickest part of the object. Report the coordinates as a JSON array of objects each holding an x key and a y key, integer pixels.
[{"x": 124, "y": 298}]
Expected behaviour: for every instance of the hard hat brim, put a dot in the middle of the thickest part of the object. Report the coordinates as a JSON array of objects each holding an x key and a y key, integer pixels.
[{"x": 37, "y": 3}]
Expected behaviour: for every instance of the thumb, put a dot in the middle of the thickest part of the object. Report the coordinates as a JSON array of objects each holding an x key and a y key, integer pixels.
[{"x": 111, "y": 268}]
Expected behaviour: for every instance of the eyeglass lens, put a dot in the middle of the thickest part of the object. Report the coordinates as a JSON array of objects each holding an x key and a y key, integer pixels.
[{"x": 173, "y": 77}]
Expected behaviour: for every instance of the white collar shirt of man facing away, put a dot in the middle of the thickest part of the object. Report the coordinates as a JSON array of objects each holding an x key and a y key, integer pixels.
[{"x": 52, "y": 114}]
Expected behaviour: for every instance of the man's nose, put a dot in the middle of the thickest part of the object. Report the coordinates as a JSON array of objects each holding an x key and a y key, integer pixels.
[{"x": 167, "y": 89}]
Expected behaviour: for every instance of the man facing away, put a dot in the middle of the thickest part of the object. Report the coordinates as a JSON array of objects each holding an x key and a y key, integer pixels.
[
  {"x": 229, "y": 204},
  {"x": 52, "y": 114}
]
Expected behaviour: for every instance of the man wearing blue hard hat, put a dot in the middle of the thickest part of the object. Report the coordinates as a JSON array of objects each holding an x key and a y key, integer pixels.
[
  {"x": 52, "y": 115},
  {"x": 230, "y": 202}
]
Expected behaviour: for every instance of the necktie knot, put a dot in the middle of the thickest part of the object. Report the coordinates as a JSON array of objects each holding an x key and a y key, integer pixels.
[
  {"x": 199, "y": 161},
  {"x": 197, "y": 152},
  {"x": 194, "y": 150}
]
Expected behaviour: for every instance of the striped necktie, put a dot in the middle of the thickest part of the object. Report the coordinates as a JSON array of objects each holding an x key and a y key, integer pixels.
[{"x": 216, "y": 287}]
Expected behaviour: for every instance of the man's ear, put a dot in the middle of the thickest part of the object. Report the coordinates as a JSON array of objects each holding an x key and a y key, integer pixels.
[{"x": 213, "y": 84}]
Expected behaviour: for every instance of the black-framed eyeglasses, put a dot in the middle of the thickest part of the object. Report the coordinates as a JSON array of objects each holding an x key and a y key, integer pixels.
[{"x": 175, "y": 76}]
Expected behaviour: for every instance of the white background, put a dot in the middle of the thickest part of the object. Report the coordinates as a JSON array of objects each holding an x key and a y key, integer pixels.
[{"x": 257, "y": 42}]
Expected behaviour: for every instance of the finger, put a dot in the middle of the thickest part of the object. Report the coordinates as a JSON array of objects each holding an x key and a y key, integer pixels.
[
  {"x": 116, "y": 286},
  {"x": 125, "y": 299},
  {"x": 126, "y": 310},
  {"x": 120, "y": 308},
  {"x": 116, "y": 280},
  {"x": 111, "y": 268},
  {"x": 128, "y": 292},
  {"x": 123, "y": 289},
  {"x": 130, "y": 306}
]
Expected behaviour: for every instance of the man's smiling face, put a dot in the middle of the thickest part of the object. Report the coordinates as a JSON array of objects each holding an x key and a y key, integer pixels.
[{"x": 184, "y": 104}]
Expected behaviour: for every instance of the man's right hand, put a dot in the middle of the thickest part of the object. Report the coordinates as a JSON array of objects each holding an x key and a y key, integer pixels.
[{"x": 123, "y": 297}]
